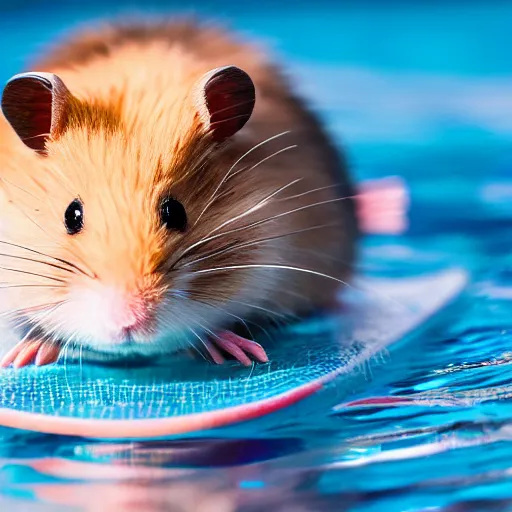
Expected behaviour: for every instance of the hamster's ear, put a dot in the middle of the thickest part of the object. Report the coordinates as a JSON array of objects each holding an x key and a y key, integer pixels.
[
  {"x": 36, "y": 106},
  {"x": 225, "y": 99}
]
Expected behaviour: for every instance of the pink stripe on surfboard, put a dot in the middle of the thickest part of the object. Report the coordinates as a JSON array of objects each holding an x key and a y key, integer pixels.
[{"x": 156, "y": 427}]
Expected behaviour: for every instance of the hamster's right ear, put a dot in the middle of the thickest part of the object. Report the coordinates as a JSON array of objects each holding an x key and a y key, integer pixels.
[{"x": 36, "y": 106}]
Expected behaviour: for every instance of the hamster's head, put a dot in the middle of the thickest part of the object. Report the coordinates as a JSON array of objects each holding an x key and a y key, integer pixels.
[{"x": 119, "y": 234}]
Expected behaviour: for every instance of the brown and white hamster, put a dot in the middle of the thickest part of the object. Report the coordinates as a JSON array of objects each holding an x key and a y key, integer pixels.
[{"x": 159, "y": 184}]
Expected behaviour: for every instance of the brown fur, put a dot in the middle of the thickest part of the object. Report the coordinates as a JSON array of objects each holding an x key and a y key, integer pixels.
[{"x": 134, "y": 135}]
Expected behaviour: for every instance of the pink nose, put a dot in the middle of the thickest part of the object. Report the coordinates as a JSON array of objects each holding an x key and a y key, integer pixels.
[{"x": 129, "y": 313}]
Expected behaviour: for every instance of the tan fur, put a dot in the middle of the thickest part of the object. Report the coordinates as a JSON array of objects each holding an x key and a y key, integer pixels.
[{"x": 134, "y": 134}]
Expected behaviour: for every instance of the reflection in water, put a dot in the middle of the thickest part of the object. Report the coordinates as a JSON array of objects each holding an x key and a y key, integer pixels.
[
  {"x": 134, "y": 497},
  {"x": 145, "y": 476},
  {"x": 431, "y": 102}
]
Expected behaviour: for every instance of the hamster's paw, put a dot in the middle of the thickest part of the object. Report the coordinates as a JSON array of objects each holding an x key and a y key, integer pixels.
[
  {"x": 33, "y": 351},
  {"x": 382, "y": 206},
  {"x": 238, "y": 347}
]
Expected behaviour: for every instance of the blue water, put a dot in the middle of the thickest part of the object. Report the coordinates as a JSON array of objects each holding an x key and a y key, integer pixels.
[{"x": 422, "y": 91}]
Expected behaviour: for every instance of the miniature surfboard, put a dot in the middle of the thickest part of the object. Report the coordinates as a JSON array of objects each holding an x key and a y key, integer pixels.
[{"x": 180, "y": 395}]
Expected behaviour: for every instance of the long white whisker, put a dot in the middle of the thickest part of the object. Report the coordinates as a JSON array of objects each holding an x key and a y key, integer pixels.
[
  {"x": 30, "y": 310},
  {"x": 29, "y": 332},
  {"x": 276, "y": 266},
  {"x": 254, "y": 242},
  {"x": 252, "y": 209},
  {"x": 212, "y": 198},
  {"x": 201, "y": 340},
  {"x": 65, "y": 351},
  {"x": 258, "y": 223},
  {"x": 226, "y": 312},
  {"x": 47, "y": 312},
  {"x": 289, "y": 267},
  {"x": 40, "y": 318},
  {"x": 236, "y": 317},
  {"x": 260, "y": 308},
  {"x": 319, "y": 189},
  {"x": 256, "y": 207},
  {"x": 262, "y": 161}
]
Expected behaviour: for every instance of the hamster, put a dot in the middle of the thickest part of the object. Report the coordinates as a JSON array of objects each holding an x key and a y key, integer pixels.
[{"x": 160, "y": 184}]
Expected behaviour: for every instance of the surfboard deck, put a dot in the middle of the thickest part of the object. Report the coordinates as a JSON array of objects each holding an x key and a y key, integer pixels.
[{"x": 180, "y": 396}]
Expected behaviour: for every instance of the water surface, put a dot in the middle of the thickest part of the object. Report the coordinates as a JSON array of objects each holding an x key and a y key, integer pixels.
[{"x": 422, "y": 91}]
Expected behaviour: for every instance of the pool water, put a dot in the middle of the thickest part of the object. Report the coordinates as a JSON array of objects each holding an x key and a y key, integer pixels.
[{"x": 422, "y": 91}]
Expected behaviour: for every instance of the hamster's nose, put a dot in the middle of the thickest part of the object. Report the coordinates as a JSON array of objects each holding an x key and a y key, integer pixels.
[{"x": 129, "y": 313}]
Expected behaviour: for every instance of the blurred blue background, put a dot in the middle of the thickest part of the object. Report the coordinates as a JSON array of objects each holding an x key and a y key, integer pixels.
[{"x": 421, "y": 90}]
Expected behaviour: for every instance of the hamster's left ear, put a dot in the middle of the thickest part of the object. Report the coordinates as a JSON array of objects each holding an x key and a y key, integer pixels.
[
  {"x": 36, "y": 106},
  {"x": 225, "y": 100}
]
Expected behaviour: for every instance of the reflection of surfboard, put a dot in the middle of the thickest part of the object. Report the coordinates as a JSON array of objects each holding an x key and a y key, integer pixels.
[{"x": 182, "y": 396}]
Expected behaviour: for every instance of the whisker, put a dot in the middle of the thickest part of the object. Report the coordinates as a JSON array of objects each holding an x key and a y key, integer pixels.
[
  {"x": 19, "y": 188},
  {"x": 65, "y": 262},
  {"x": 31, "y": 308},
  {"x": 35, "y": 326},
  {"x": 262, "y": 161},
  {"x": 52, "y": 332},
  {"x": 226, "y": 312},
  {"x": 35, "y": 223},
  {"x": 255, "y": 242},
  {"x": 223, "y": 194},
  {"x": 258, "y": 223},
  {"x": 213, "y": 196},
  {"x": 236, "y": 317},
  {"x": 254, "y": 208},
  {"x": 37, "y": 261},
  {"x": 260, "y": 308},
  {"x": 31, "y": 286},
  {"x": 33, "y": 274},
  {"x": 297, "y": 269},
  {"x": 202, "y": 342},
  {"x": 274, "y": 266},
  {"x": 15, "y": 315},
  {"x": 27, "y": 335},
  {"x": 247, "y": 168},
  {"x": 319, "y": 189},
  {"x": 65, "y": 351},
  {"x": 45, "y": 314}
]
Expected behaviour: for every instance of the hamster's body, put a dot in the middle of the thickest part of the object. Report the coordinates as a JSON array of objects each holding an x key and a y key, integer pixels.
[{"x": 271, "y": 228}]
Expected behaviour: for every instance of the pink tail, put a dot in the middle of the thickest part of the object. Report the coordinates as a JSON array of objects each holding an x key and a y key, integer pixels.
[{"x": 382, "y": 206}]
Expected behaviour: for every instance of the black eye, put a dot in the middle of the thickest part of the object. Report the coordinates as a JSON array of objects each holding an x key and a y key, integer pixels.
[
  {"x": 172, "y": 214},
  {"x": 74, "y": 217}
]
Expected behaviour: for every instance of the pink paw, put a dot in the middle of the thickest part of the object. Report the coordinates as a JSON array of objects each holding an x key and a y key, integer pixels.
[
  {"x": 236, "y": 346},
  {"x": 382, "y": 206},
  {"x": 34, "y": 351}
]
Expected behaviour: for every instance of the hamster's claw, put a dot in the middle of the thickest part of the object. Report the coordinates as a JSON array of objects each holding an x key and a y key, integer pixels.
[
  {"x": 238, "y": 347},
  {"x": 48, "y": 353},
  {"x": 217, "y": 357},
  {"x": 33, "y": 351}
]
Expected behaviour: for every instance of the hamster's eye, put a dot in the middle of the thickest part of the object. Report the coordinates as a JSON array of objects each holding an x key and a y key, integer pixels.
[
  {"x": 172, "y": 214},
  {"x": 74, "y": 217}
]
